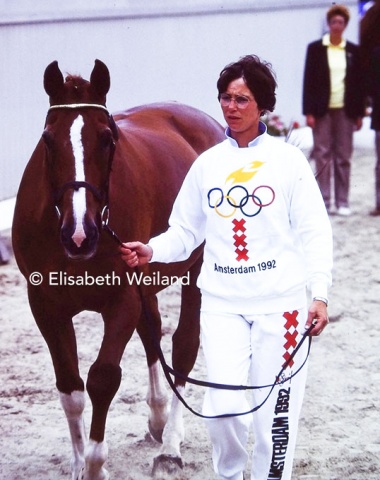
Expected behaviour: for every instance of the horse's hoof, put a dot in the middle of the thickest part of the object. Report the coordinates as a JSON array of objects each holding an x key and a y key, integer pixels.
[
  {"x": 105, "y": 474},
  {"x": 80, "y": 474},
  {"x": 156, "y": 433},
  {"x": 167, "y": 466}
]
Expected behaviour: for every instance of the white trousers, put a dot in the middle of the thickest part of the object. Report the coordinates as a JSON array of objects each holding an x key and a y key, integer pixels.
[{"x": 253, "y": 349}]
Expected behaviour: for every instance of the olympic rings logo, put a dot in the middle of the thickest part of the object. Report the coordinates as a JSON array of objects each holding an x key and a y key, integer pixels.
[{"x": 238, "y": 198}]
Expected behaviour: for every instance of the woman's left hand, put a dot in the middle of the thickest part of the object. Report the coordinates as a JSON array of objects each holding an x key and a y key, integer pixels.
[{"x": 318, "y": 316}]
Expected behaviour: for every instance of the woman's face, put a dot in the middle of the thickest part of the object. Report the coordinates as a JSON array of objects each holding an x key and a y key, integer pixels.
[
  {"x": 337, "y": 25},
  {"x": 243, "y": 122}
]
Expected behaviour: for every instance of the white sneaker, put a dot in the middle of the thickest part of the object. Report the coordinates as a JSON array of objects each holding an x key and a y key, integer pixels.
[{"x": 344, "y": 211}]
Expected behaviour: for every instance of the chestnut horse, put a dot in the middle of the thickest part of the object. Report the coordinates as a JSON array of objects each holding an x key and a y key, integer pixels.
[{"x": 88, "y": 168}]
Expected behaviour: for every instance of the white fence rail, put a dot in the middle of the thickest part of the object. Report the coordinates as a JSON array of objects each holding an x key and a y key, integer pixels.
[{"x": 155, "y": 50}]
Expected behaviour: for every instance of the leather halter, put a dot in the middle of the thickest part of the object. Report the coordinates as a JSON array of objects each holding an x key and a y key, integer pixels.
[
  {"x": 75, "y": 106},
  {"x": 76, "y": 185}
]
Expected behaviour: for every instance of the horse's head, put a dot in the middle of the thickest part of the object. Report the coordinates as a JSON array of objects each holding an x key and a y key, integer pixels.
[{"x": 80, "y": 138}]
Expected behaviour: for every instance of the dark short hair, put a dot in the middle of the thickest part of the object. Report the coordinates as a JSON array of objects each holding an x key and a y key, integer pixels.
[
  {"x": 341, "y": 10},
  {"x": 259, "y": 77}
]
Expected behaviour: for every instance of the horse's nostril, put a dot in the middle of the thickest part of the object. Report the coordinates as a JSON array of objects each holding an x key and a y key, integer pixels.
[
  {"x": 66, "y": 234},
  {"x": 92, "y": 233}
]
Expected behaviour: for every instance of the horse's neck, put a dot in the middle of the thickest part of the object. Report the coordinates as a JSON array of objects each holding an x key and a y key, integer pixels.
[{"x": 37, "y": 188}]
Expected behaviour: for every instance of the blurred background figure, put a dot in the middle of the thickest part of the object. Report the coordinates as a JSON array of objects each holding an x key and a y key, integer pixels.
[
  {"x": 370, "y": 52},
  {"x": 333, "y": 102},
  {"x": 4, "y": 253}
]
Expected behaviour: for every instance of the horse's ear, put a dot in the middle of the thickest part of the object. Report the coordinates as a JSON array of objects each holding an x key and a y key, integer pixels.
[
  {"x": 53, "y": 79},
  {"x": 100, "y": 78}
]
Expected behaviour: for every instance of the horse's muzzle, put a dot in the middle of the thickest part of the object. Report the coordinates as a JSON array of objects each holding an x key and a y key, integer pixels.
[{"x": 80, "y": 243}]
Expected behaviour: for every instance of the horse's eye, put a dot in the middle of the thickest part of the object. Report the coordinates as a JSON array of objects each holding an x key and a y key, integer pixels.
[
  {"x": 106, "y": 138},
  {"x": 47, "y": 137}
]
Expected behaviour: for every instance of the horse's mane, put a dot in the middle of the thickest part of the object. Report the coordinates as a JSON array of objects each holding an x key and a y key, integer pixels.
[
  {"x": 75, "y": 80},
  {"x": 76, "y": 89}
]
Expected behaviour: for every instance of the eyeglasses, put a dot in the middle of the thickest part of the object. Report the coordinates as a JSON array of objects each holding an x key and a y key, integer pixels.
[{"x": 240, "y": 100}]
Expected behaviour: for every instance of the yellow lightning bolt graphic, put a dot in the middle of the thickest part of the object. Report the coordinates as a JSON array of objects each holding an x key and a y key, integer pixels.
[{"x": 244, "y": 174}]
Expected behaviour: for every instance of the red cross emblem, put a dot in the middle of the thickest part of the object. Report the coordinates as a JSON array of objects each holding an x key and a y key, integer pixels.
[
  {"x": 291, "y": 334},
  {"x": 240, "y": 243}
]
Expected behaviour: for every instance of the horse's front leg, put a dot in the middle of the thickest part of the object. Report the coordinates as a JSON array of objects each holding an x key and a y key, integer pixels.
[
  {"x": 104, "y": 379},
  {"x": 73, "y": 406},
  {"x": 55, "y": 324}
]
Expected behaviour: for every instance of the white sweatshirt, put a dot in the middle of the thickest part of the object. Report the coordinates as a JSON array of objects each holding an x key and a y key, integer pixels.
[{"x": 268, "y": 235}]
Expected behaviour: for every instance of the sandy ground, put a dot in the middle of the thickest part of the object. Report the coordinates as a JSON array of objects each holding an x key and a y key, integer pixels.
[{"x": 339, "y": 435}]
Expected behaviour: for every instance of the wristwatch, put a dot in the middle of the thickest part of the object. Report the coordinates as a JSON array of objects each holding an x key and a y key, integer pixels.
[{"x": 321, "y": 299}]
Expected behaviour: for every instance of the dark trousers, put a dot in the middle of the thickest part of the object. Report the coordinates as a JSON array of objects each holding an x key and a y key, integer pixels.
[
  {"x": 333, "y": 145},
  {"x": 377, "y": 170}
]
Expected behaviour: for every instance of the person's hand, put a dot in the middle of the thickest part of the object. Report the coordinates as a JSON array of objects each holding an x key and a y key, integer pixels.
[
  {"x": 310, "y": 121},
  {"x": 135, "y": 254},
  {"x": 318, "y": 316},
  {"x": 358, "y": 123}
]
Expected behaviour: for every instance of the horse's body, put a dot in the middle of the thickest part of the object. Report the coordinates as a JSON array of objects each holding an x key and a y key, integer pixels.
[{"x": 85, "y": 162}]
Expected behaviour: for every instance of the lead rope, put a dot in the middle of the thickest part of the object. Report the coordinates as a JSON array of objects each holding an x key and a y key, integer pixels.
[{"x": 169, "y": 370}]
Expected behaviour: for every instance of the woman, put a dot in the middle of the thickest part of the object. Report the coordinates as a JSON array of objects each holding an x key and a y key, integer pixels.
[
  {"x": 370, "y": 53},
  {"x": 374, "y": 93},
  {"x": 333, "y": 102},
  {"x": 255, "y": 202}
]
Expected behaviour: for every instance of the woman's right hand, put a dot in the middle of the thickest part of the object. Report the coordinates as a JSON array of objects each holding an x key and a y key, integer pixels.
[
  {"x": 310, "y": 121},
  {"x": 135, "y": 254}
]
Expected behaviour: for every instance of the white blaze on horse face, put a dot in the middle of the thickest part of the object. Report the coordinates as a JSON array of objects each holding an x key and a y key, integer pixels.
[{"x": 79, "y": 196}]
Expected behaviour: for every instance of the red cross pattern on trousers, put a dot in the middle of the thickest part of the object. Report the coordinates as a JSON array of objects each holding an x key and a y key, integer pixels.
[{"x": 291, "y": 334}]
